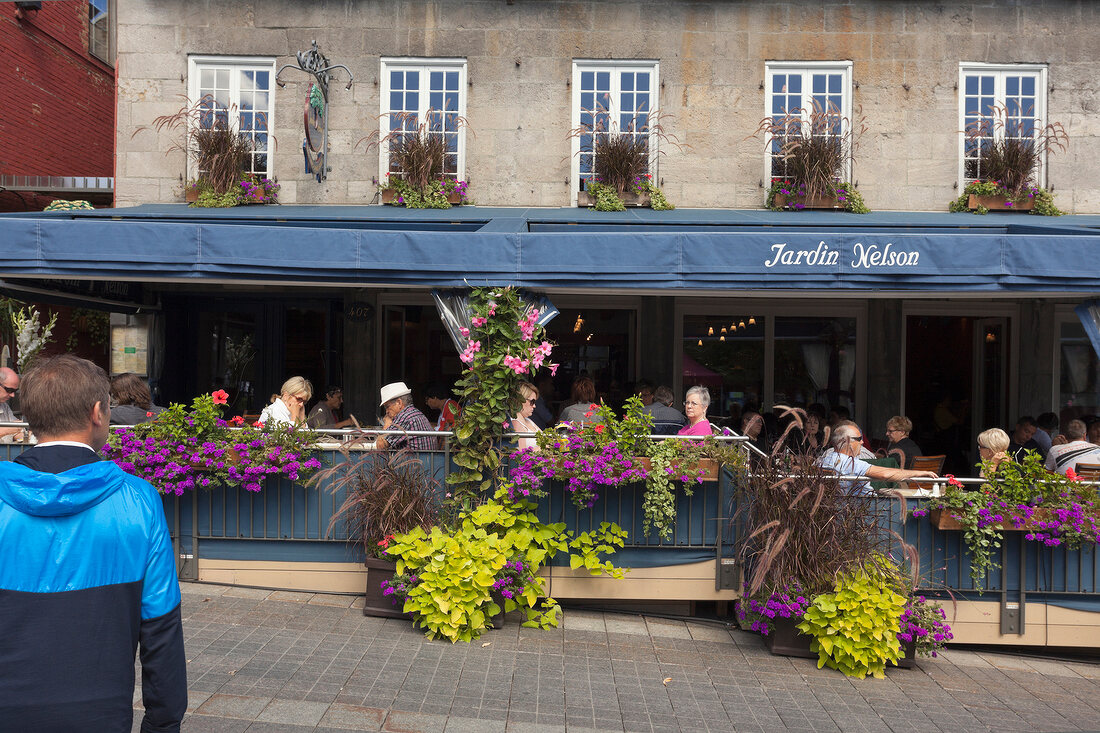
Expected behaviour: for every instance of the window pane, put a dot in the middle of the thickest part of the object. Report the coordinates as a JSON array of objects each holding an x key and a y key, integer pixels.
[
  {"x": 642, "y": 82},
  {"x": 412, "y": 79},
  {"x": 730, "y": 364},
  {"x": 588, "y": 80},
  {"x": 603, "y": 81},
  {"x": 452, "y": 81},
  {"x": 815, "y": 361},
  {"x": 397, "y": 80},
  {"x": 1079, "y": 378},
  {"x": 626, "y": 83}
]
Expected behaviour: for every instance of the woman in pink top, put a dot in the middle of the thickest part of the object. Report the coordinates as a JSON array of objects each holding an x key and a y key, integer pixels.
[{"x": 695, "y": 407}]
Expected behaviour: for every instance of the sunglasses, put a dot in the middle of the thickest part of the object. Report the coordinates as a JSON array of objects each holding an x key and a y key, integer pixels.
[
  {"x": 533, "y": 401},
  {"x": 857, "y": 438},
  {"x": 9, "y": 390}
]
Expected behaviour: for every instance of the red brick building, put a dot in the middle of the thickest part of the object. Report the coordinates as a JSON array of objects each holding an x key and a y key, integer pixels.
[{"x": 58, "y": 116}]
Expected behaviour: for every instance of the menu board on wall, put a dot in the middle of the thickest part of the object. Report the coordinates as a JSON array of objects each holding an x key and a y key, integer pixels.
[{"x": 130, "y": 346}]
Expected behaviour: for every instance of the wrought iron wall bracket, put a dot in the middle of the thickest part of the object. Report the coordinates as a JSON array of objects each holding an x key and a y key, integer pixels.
[{"x": 315, "y": 117}]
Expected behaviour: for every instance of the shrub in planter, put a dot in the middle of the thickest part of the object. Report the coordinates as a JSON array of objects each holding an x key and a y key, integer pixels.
[
  {"x": 1003, "y": 157},
  {"x": 812, "y": 149},
  {"x": 856, "y": 626},
  {"x": 420, "y": 167}
]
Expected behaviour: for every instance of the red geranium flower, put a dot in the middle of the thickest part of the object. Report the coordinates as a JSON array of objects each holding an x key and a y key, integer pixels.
[
  {"x": 598, "y": 428},
  {"x": 237, "y": 420},
  {"x": 1072, "y": 475},
  {"x": 951, "y": 480},
  {"x": 221, "y": 397},
  {"x": 148, "y": 414},
  {"x": 257, "y": 424}
]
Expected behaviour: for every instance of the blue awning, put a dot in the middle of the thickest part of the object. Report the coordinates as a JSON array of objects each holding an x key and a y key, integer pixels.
[{"x": 685, "y": 250}]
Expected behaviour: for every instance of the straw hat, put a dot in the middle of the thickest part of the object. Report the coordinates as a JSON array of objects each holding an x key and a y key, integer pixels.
[{"x": 393, "y": 390}]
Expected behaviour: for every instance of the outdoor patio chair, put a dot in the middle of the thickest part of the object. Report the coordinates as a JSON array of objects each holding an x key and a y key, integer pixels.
[
  {"x": 1088, "y": 471},
  {"x": 928, "y": 463}
]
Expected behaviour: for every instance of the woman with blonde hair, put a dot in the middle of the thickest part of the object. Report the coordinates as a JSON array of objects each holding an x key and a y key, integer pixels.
[
  {"x": 527, "y": 395},
  {"x": 290, "y": 408},
  {"x": 992, "y": 449}
]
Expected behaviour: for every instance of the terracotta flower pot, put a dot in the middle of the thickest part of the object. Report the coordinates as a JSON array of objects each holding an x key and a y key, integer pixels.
[
  {"x": 191, "y": 195},
  {"x": 388, "y": 195}
]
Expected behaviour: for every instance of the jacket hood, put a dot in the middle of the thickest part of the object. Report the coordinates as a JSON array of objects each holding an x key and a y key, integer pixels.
[{"x": 42, "y": 494}]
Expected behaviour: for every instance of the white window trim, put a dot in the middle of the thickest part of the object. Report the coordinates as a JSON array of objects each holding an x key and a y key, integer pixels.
[
  {"x": 1000, "y": 71},
  {"x": 579, "y": 65},
  {"x": 773, "y": 67},
  {"x": 422, "y": 63},
  {"x": 267, "y": 63}
]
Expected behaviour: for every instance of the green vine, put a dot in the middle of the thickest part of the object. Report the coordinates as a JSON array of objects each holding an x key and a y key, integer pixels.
[
  {"x": 606, "y": 198},
  {"x": 449, "y": 576},
  {"x": 503, "y": 344},
  {"x": 93, "y": 322}
]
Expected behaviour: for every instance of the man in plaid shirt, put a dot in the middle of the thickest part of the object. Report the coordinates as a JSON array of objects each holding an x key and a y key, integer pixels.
[{"x": 402, "y": 414}]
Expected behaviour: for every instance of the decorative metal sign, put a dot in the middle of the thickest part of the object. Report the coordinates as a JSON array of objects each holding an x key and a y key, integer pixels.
[{"x": 315, "y": 117}]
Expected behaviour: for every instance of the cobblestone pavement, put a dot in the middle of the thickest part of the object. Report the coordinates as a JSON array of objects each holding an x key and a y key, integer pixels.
[{"x": 266, "y": 662}]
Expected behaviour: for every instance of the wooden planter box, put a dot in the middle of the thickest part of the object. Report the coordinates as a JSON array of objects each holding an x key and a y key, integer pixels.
[
  {"x": 999, "y": 203},
  {"x": 707, "y": 464},
  {"x": 376, "y": 604},
  {"x": 815, "y": 202},
  {"x": 191, "y": 195},
  {"x": 389, "y": 194},
  {"x": 940, "y": 519},
  {"x": 630, "y": 200}
]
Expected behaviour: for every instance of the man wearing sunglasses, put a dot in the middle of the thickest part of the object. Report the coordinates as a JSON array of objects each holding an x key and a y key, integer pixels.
[
  {"x": 9, "y": 380},
  {"x": 844, "y": 459}
]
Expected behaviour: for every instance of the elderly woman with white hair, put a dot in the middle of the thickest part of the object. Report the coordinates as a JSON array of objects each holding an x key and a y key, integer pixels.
[{"x": 695, "y": 407}]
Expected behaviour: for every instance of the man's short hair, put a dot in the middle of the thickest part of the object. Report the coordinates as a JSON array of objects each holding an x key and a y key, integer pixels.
[
  {"x": 1076, "y": 430},
  {"x": 1047, "y": 421},
  {"x": 663, "y": 394},
  {"x": 1026, "y": 420},
  {"x": 57, "y": 394},
  {"x": 437, "y": 391},
  {"x": 844, "y": 430}
]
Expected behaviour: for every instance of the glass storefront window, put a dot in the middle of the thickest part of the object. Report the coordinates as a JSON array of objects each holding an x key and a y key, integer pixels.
[
  {"x": 815, "y": 361},
  {"x": 1079, "y": 383},
  {"x": 726, "y": 355}
]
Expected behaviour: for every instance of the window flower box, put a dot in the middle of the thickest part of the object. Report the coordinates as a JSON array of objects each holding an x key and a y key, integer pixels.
[
  {"x": 709, "y": 466},
  {"x": 796, "y": 202},
  {"x": 630, "y": 199},
  {"x": 941, "y": 520},
  {"x": 389, "y": 196},
  {"x": 999, "y": 203}
]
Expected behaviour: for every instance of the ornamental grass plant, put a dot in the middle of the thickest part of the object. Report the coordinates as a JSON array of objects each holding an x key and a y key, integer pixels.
[
  {"x": 1004, "y": 155},
  {"x": 812, "y": 151},
  {"x": 622, "y": 158},
  {"x": 385, "y": 493},
  {"x": 421, "y": 157}
]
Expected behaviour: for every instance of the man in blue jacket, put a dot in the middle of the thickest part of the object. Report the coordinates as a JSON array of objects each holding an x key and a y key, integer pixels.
[{"x": 86, "y": 572}]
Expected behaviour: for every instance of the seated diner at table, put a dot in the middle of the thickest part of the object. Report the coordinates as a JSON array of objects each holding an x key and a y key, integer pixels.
[
  {"x": 402, "y": 414},
  {"x": 696, "y": 403},
  {"x": 847, "y": 441},
  {"x": 527, "y": 396},
  {"x": 289, "y": 408}
]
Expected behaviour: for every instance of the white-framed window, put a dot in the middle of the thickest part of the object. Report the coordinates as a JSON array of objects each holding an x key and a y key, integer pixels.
[
  {"x": 100, "y": 14},
  {"x": 612, "y": 96},
  {"x": 236, "y": 90},
  {"x": 1012, "y": 94},
  {"x": 428, "y": 93},
  {"x": 801, "y": 87}
]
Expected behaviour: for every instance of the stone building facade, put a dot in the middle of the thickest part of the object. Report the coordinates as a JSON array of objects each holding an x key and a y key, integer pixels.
[{"x": 713, "y": 65}]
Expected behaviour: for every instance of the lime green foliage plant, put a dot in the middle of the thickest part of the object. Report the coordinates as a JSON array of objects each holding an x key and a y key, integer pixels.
[
  {"x": 456, "y": 571},
  {"x": 847, "y": 196},
  {"x": 1044, "y": 199},
  {"x": 855, "y": 628},
  {"x": 504, "y": 343}
]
